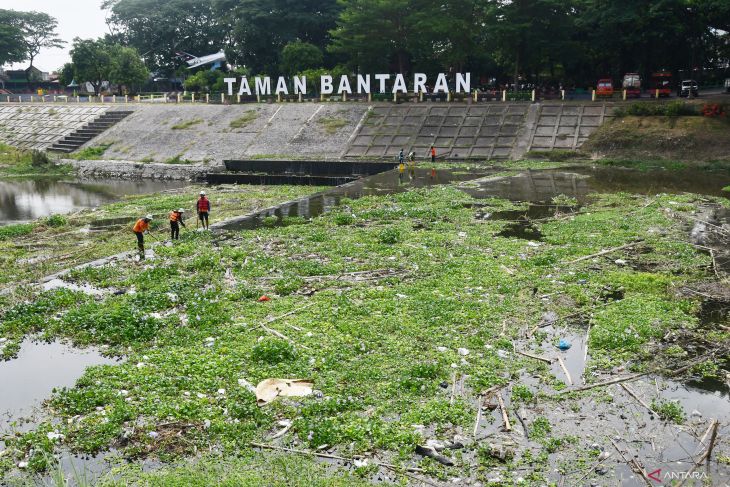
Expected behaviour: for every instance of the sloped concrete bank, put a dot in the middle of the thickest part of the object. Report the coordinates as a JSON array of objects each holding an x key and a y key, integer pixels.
[
  {"x": 137, "y": 170},
  {"x": 210, "y": 134}
]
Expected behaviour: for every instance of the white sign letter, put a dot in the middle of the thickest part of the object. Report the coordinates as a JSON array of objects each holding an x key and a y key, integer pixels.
[
  {"x": 441, "y": 85},
  {"x": 229, "y": 82},
  {"x": 344, "y": 86},
  {"x": 244, "y": 88},
  {"x": 462, "y": 82},
  {"x": 263, "y": 86},
  {"x": 281, "y": 86},
  {"x": 300, "y": 85},
  {"x": 325, "y": 84},
  {"x": 399, "y": 84},
  {"x": 419, "y": 83},
  {"x": 363, "y": 84},
  {"x": 382, "y": 78}
]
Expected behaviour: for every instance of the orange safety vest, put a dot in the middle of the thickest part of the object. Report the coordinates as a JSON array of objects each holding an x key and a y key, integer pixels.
[
  {"x": 174, "y": 216},
  {"x": 433, "y": 151},
  {"x": 141, "y": 226},
  {"x": 203, "y": 205}
]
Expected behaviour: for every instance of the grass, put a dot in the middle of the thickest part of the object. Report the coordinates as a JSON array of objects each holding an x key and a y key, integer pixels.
[
  {"x": 379, "y": 349},
  {"x": 332, "y": 124},
  {"x": 248, "y": 117},
  {"x": 91, "y": 153},
  {"x": 186, "y": 124},
  {"x": 178, "y": 159},
  {"x": 16, "y": 162}
]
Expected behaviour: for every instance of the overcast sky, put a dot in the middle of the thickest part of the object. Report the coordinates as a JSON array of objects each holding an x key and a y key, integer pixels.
[{"x": 76, "y": 18}]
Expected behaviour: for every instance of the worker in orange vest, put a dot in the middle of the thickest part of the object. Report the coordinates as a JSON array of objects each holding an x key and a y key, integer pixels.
[
  {"x": 203, "y": 207},
  {"x": 433, "y": 154},
  {"x": 139, "y": 229},
  {"x": 176, "y": 219}
]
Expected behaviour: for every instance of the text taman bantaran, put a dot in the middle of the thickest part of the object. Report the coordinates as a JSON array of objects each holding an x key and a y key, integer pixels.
[{"x": 360, "y": 84}]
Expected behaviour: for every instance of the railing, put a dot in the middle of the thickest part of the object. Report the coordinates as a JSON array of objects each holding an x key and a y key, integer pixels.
[{"x": 224, "y": 99}]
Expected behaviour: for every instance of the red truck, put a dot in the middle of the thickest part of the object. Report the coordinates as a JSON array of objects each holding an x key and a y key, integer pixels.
[
  {"x": 632, "y": 85},
  {"x": 661, "y": 84},
  {"x": 604, "y": 88}
]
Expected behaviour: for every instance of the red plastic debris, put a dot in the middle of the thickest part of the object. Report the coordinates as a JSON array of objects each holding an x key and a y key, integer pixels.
[{"x": 264, "y": 298}]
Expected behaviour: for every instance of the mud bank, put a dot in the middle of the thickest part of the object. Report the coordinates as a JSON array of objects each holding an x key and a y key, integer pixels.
[{"x": 137, "y": 170}]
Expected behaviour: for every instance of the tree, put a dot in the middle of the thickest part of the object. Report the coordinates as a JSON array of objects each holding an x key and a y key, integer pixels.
[
  {"x": 127, "y": 69},
  {"x": 261, "y": 28},
  {"x": 298, "y": 56},
  {"x": 373, "y": 33},
  {"x": 66, "y": 74},
  {"x": 12, "y": 48},
  {"x": 92, "y": 61},
  {"x": 39, "y": 32},
  {"x": 160, "y": 29}
]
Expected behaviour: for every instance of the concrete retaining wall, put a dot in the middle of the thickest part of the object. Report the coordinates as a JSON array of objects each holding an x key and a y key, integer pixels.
[
  {"x": 38, "y": 126},
  {"x": 210, "y": 134},
  {"x": 135, "y": 170}
]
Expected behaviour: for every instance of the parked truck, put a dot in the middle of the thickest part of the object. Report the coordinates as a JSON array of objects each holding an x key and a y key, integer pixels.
[
  {"x": 604, "y": 88},
  {"x": 632, "y": 85},
  {"x": 661, "y": 84}
]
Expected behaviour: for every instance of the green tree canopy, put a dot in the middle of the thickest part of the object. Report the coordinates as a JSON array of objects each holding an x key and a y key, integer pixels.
[
  {"x": 12, "y": 47},
  {"x": 298, "y": 56},
  {"x": 39, "y": 32}
]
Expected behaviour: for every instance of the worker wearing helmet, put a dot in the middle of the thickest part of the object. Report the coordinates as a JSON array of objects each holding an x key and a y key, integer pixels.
[
  {"x": 139, "y": 229},
  {"x": 203, "y": 207},
  {"x": 176, "y": 219}
]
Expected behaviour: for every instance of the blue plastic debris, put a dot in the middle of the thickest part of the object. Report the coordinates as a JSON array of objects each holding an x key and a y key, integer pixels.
[{"x": 564, "y": 344}]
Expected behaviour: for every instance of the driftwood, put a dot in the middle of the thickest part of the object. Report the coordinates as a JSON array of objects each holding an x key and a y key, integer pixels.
[
  {"x": 536, "y": 357},
  {"x": 522, "y": 422},
  {"x": 633, "y": 464},
  {"x": 333, "y": 457},
  {"x": 605, "y": 383},
  {"x": 505, "y": 417},
  {"x": 565, "y": 369},
  {"x": 604, "y": 252},
  {"x": 638, "y": 399},
  {"x": 706, "y": 455}
]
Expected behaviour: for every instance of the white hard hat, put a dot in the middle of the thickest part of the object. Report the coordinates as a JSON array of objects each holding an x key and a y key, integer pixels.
[
  {"x": 181, "y": 210},
  {"x": 202, "y": 193},
  {"x": 148, "y": 217}
]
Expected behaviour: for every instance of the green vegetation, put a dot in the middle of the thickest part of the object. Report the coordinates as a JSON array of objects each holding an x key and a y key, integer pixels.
[
  {"x": 332, "y": 124},
  {"x": 669, "y": 411},
  {"x": 245, "y": 120},
  {"x": 186, "y": 124},
  {"x": 178, "y": 159},
  {"x": 381, "y": 302},
  {"x": 670, "y": 109},
  {"x": 95, "y": 152},
  {"x": 16, "y": 162}
]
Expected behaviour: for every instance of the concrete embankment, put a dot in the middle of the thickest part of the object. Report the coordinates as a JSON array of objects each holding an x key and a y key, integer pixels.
[{"x": 210, "y": 134}]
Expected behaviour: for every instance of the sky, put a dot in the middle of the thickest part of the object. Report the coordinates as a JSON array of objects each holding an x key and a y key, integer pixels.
[{"x": 76, "y": 18}]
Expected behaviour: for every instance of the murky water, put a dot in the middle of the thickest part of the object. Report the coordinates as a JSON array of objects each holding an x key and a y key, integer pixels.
[
  {"x": 25, "y": 200},
  {"x": 39, "y": 368},
  {"x": 579, "y": 182}
]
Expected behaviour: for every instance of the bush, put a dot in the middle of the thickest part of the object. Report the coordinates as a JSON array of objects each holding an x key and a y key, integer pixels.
[
  {"x": 56, "y": 221},
  {"x": 39, "y": 159}
]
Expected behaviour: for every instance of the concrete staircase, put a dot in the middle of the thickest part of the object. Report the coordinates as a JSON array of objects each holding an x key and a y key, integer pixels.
[{"x": 84, "y": 134}]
